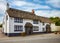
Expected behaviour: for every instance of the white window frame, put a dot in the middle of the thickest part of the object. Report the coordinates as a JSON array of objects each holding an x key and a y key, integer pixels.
[
  {"x": 18, "y": 20},
  {"x": 35, "y": 27},
  {"x": 35, "y": 21},
  {"x": 18, "y": 28}
]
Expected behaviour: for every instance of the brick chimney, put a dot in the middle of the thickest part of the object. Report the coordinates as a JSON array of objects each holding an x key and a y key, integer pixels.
[{"x": 33, "y": 11}]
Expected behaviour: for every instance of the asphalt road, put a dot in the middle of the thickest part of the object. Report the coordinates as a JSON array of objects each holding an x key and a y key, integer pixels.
[{"x": 44, "y": 38}]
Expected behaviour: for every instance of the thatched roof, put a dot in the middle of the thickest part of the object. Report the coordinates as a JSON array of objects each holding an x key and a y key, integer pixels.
[{"x": 26, "y": 15}]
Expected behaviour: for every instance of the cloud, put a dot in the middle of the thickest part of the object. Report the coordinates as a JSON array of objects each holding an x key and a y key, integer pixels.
[
  {"x": 39, "y": 1},
  {"x": 48, "y": 13},
  {"x": 51, "y": 3},
  {"x": 54, "y": 3},
  {"x": 35, "y": 4},
  {"x": 2, "y": 6},
  {"x": 2, "y": 9},
  {"x": 28, "y": 5},
  {"x": 19, "y": 3}
]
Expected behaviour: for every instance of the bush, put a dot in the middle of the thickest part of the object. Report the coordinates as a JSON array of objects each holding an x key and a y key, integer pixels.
[
  {"x": 56, "y": 20},
  {"x": 57, "y": 23},
  {"x": 0, "y": 25}
]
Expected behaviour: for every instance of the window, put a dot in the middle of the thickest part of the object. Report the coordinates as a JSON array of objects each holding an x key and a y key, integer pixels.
[
  {"x": 18, "y": 20},
  {"x": 43, "y": 29},
  {"x": 43, "y": 23},
  {"x": 18, "y": 28},
  {"x": 35, "y": 21},
  {"x": 6, "y": 17},
  {"x": 35, "y": 28}
]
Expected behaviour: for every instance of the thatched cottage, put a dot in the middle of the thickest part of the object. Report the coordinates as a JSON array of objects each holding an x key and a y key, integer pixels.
[{"x": 16, "y": 22}]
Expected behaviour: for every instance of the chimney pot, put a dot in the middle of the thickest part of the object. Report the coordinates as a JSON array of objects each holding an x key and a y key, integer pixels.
[{"x": 33, "y": 11}]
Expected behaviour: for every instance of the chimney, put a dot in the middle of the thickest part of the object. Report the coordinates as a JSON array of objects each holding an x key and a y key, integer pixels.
[
  {"x": 33, "y": 11},
  {"x": 7, "y": 6}
]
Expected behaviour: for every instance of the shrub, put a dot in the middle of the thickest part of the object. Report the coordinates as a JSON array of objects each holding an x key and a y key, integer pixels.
[
  {"x": 0, "y": 25},
  {"x": 57, "y": 23}
]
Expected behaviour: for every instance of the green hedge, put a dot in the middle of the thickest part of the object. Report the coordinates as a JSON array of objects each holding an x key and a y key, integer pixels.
[
  {"x": 56, "y": 20},
  {"x": 57, "y": 23}
]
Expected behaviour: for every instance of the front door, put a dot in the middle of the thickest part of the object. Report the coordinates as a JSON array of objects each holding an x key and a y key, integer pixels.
[
  {"x": 28, "y": 30},
  {"x": 48, "y": 28}
]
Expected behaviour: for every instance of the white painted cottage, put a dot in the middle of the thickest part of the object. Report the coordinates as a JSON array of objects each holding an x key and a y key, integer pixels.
[{"x": 16, "y": 22}]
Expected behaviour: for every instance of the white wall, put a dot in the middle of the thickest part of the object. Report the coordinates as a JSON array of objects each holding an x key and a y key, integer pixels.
[
  {"x": 54, "y": 27},
  {"x": 44, "y": 26},
  {"x": 11, "y": 25},
  {"x": 31, "y": 21},
  {"x": 57, "y": 28},
  {"x": 5, "y": 24}
]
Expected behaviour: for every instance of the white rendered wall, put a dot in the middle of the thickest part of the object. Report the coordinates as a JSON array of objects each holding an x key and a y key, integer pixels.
[
  {"x": 57, "y": 28},
  {"x": 11, "y": 25},
  {"x": 53, "y": 27},
  {"x": 6, "y": 24}
]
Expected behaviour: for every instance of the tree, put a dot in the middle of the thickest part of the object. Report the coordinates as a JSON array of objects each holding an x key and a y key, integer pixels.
[{"x": 56, "y": 20}]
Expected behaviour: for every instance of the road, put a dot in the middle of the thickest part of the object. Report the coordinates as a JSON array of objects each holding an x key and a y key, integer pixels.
[
  {"x": 33, "y": 41},
  {"x": 41, "y": 38}
]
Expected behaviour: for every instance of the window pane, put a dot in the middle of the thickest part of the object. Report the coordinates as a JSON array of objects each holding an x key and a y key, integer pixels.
[
  {"x": 18, "y": 28},
  {"x": 35, "y": 28},
  {"x": 18, "y": 20},
  {"x": 43, "y": 23},
  {"x": 15, "y": 28},
  {"x": 43, "y": 29},
  {"x": 35, "y": 22}
]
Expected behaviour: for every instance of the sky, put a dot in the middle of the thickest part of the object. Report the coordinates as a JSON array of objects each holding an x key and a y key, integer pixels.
[{"x": 45, "y": 8}]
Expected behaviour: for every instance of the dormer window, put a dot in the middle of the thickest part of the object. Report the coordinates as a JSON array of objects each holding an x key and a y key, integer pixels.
[
  {"x": 18, "y": 20},
  {"x": 35, "y": 21}
]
